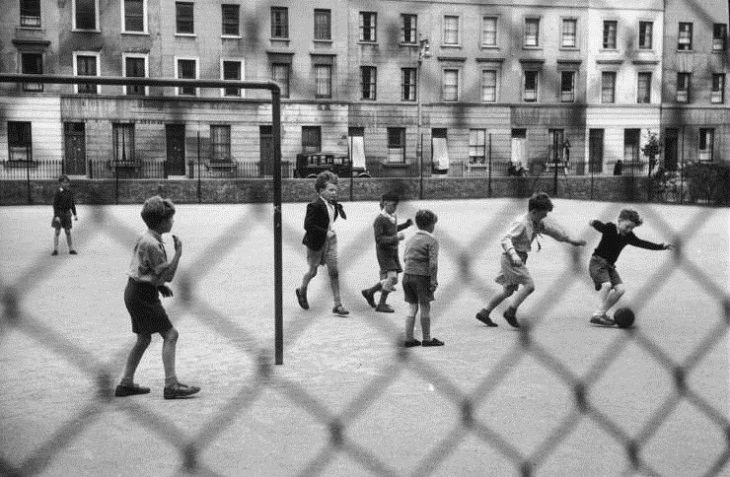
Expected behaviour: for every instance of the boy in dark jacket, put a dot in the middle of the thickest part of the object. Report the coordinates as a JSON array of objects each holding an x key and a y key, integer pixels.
[
  {"x": 387, "y": 237},
  {"x": 63, "y": 207}
]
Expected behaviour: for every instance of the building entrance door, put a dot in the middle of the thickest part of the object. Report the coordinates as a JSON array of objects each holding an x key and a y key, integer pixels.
[
  {"x": 74, "y": 158},
  {"x": 175, "y": 149}
]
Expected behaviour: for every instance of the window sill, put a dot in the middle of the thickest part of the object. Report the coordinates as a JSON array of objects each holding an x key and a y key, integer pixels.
[
  {"x": 136, "y": 33},
  {"x": 186, "y": 35},
  {"x": 80, "y": 30},
  {"x": 231, "y": 37}
]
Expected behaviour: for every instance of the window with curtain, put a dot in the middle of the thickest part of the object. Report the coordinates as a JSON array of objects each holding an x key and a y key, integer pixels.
[
  {"x": 489, "y": 86},
  {"x": 719, "y": 36},
  {"x": 280, "y": 74},
  {"x": 610, "y": 28},
  {"x": 323, "y": 81},
  {"x": 30, "y": 13},
  {"x": 186, "y": 69},
  {"x": 123, "y": 142},
  {"x": 134, "y": 67},
  {"x": 684, "y": 40},
  {"x": 643, "y": 88},
  {"x": 220, "y": 143},
  {"x": 451, "y": 30},
  {"x": 631, "y": 145},
  {"x": 368, "y": 26},
  {"x": 718, "y": 88},
  {"x": 567, "y": 86},
  {"x": 368, "y": 82},
  {"x": 706, "y": 144},
  {"x": 489, "y": 31},
  {"x": 532, "y": 33},
  {"x": 279, "y": 22},
  {"x": 646, "y": 34},
  {"x": 322, "y": 24},
  {"x": 396, "y": 145},
  {"x": 477, "y": 146},
  {"x": 232, "y": 71},
  {"x": 409, "y": 28},
  {"x": 608, "y": 87},
  {"x": 683, "y": 80},
  {"x": 451, "y": 85},
  {"x": 529, "y": 90},
  {"x": 570, "y": 31}
]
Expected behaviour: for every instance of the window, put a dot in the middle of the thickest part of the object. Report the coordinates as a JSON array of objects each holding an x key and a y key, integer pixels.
[
  {"x": 643, "y": 88},
  {"x": 569, "y": 34},
  {"x": 451, "y": 85},
  {"x": 532, "y": 32},
  {"x": 683, "y": 87},
  {"x": 567, "y": 86},
  {"x": 184, "y": 19},
  {"x": 20, "y": 146},
  {"x": 529, "y": 91},
  {"x": 368, "y": 82},
  {"x": 187, "y": 69},
  {"x": 489, "y": 31},
  {"x": 719, "y": 37},
  {"x": 86, "y": 64},
  {"x": 220, "y": 143},
  {"x": 684, "y": 41},
  {"x": 368, "y": 26},
  {"x": 279, "y": 22},
  {"x": 311, "y": 139},
  {"x": 396, "y": 145},
  {"x": 135, "y": 66},
  {"x": 646, "y": 34},
  {"x": 323, "y": 80},
  {"x": 477, "y": 146},
  {"x": 409, "y": 28},
  {"x": 707, "y": 144},
  {"x": 123, "y": 142},
  {"x": 451, "y": 30},
  {"x": 608, "y": 87},
  {"x": 609, "y": 34},
  {"x": 232, "y": 70},
  {"x": 489, "y": 86},
  {"x": 230, "y": 20},
  {"x": 322, "y": 25},
  {"x": 135, "y": 20},
  {"x": 408, "y": 84},
  {"x": 32, "y": 64},
  {"x": 718, "y": 88},
  {"x": 30, "y": 13},
  {"x": 280, "y": 74},
  {"x": 85, "y": 14},
  {"x": 631, "y": 145}
]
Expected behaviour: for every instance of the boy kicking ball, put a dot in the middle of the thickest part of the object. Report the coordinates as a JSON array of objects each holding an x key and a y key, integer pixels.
[
  {"x": 602, "y": 266},
  {"x": 514, "y": 275}
]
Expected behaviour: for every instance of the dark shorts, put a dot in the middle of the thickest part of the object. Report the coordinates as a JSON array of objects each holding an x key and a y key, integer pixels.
[
  {"x": 64, "y": 223},
  {"x": 416, "y": 288},
  {"x": 603, "y": 272},
  {"x": 145, "y": 309}
]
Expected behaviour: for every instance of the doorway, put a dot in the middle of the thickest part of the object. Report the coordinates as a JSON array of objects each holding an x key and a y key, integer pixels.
[
  {"x": 74, "y": 148},
  {"x": 175, "y": 149}
]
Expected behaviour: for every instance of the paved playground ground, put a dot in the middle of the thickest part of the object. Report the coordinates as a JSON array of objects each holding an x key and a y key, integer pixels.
[{"x": 568, "y": 398}]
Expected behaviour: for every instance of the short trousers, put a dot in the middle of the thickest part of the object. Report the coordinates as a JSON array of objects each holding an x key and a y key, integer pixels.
[
  {"x": 145, "y": 309},
  {"x": 512, "y": 276},
  {"x": 388, "y": 279},
  {"x": 417, "y": 288},
  {"x": 327, "y": 255},
  {"x": 602, "y": 271},
  {"x": 65, "y": 222}
]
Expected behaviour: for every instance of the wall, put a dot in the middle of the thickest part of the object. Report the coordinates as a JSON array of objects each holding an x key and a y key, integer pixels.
[{"x": 616, "y": 189}]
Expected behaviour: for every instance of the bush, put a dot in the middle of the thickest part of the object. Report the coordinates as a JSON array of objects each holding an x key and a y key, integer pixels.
[{"x": 708, "y": 182}]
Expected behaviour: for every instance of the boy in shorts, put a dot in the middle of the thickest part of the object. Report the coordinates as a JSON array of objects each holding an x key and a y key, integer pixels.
[
  {"x": 387, "y": 238},
  {"x": 149, "y": 270},
  {"x": 63, "y": 207},
  {"x": 321, "y": 240},
  {"x": 514, "y": 275},
  {"x": 602, "y": 266},
  {"x": 420, "y": 278}
]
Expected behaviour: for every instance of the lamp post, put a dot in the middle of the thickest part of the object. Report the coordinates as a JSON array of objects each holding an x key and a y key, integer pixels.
[{"x": 424, "y": 51}]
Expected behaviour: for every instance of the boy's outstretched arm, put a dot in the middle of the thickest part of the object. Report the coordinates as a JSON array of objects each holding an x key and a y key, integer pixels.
[{"x": 597, "y": 224}]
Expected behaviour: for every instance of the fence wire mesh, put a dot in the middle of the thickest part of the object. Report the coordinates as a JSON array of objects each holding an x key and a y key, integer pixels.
[{"x": 469, "y": 404}]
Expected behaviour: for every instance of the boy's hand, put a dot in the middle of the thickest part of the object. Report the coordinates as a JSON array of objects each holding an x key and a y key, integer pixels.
[
  {"x": 330, "y": 233},
  {"x": 178, "y": 244},
  {"x": 76, "y": 217},
  {"x": 165, "y": 291},
  {"x": 401, "y": 236},
  {"x": 516, "y": 260},
  {"x": 409, "y": 222},
  {"x": 433, "y": 286},
  {"x": 668, "y": 246}
]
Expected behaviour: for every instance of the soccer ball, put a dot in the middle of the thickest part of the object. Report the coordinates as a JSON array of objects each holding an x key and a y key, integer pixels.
[{"x": 624, "y": 317}]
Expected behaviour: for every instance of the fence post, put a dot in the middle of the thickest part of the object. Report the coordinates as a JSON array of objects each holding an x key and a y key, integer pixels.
[
  {"x": 200, "y": 196},
  {"x": 116, "y": 184},
  {"x": 27, "y": 181},
  {"x": 489, "y": 180}
]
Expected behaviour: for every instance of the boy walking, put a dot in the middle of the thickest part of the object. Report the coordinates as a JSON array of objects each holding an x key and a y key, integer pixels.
[
  {"x": 63, "y": 207},
  {"x": 602, "y": 266},
  {"x": 387, "y": 237},
  {"x": 516, "y": 244},
  {"x": 420, "y": 278},
  {"x": 148, "y": 273},
  {"x": 321, "y": 240}
]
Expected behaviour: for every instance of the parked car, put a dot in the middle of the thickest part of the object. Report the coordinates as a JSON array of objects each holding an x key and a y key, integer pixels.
[{"x": 312, "y": 163}]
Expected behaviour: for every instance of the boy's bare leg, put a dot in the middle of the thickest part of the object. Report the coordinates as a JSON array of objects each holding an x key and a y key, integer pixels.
[
  {"x": 523, "y": 292},
  {"x": 496, "y": 300},
  {"x": 135, "y": 356},
  {"x": 411, "y": 320},
  {"x": 169, "y": 345},
  {"x": 56, "y": 234},
  {"x": 610, "y": 296},
  {"x": 426, "y": 321},
  {"x": 308, "y": 275},
  {"x": 69, "y": 240},
  {"x": 335, "y": 284}
]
